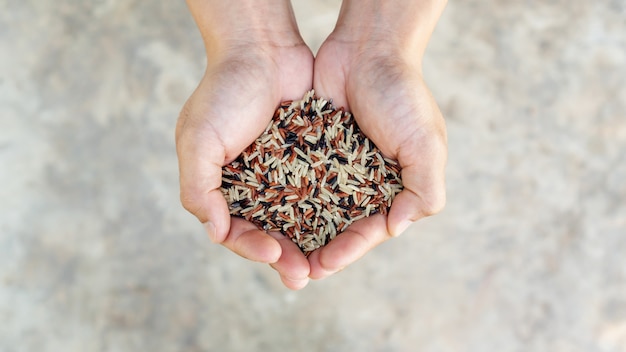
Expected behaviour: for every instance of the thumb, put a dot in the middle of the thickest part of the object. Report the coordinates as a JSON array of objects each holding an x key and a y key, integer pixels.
[
  {"x": 423, "y": 177},
  {"x": 200, "y": 158}
]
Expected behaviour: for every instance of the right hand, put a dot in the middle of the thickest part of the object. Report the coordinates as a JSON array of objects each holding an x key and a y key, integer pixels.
[{"x": 230, "y": 108}]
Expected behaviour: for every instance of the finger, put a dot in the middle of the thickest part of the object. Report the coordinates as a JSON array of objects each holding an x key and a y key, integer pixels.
[
  {"x": 318, "y": 272},
  {"x": 292, "y": 265},
  {"x": 200, "y": 158},
  {"x": 349, "y": 246},
  {"x": 294, "y": 284},
  {"x": 405, "y": 210},
  {"x": 246, "y": 240},
  {"x": 423, "y": 163}
]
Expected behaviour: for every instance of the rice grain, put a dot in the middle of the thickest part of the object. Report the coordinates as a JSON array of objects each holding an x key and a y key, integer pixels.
[{"x": 310, "y": 174}]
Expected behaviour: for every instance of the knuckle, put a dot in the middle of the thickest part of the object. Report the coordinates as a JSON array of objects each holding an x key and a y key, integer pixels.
[
  {"x": 190, "y": 202},
  {"x": 433, "y": 203}
]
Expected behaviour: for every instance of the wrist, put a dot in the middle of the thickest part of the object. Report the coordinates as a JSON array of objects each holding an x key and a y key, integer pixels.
[
  {"x": 242, "y": 24},
  {"x": 397, "y": 25}
]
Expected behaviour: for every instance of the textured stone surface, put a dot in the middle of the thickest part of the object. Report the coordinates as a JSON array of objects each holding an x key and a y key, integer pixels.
[{"x": 96, "y": 254}]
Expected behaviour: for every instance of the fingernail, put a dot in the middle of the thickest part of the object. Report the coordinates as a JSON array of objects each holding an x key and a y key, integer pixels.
[
  {"x": 402, "y": 227},
  {"x": 210, "y": 229}
]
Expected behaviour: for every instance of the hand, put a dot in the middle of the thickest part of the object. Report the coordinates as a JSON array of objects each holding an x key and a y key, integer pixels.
[
  {"x": 381, "y": 84},
  {"x": 245, "y": 80}
]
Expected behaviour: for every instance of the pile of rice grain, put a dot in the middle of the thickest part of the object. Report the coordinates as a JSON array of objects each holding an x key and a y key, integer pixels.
[{"x": 310, "y": 174}]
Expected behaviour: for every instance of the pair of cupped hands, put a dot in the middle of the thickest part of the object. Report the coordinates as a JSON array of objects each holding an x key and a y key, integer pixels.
[{"x": 380, "y": 85}]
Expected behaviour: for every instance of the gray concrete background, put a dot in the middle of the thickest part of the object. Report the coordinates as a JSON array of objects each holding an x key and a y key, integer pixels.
[{"x": 96, "y": 253}]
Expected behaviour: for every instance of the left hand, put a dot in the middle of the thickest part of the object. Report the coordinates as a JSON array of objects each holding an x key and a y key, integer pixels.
[{"x": 385, "y": 91}]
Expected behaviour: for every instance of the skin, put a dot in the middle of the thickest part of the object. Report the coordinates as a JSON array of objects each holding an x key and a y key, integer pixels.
[{"x": 370, "y": 64}]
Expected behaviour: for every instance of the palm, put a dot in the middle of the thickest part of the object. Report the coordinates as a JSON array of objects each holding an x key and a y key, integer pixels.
[
  {"x": 236, "y": 99},
  {"x": 393, "y": 107}
]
